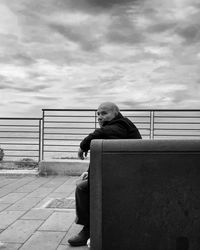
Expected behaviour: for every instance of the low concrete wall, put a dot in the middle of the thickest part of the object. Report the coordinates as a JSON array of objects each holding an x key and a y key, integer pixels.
[{"x": 63, "y": 167}]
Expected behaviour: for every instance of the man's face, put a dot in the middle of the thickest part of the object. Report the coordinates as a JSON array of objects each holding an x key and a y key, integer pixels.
[{"x": 105, "y": 114}]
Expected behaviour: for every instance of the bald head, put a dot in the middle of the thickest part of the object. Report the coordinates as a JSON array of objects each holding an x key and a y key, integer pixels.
[
  {"x": 109, "y": 106},
  {"x": 106, "y": 112}
]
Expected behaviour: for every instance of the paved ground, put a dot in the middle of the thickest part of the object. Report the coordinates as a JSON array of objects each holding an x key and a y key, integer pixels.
[{"x": 25, "y": 223}]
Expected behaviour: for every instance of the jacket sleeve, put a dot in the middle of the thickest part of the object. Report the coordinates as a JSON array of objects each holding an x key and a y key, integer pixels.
[
  {"x": 97, "y": 134},
  {"x": 107, "y": 132}
]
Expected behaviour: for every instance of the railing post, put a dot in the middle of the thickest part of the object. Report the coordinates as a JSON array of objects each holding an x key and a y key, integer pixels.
[
  {"x": 39, "y": 140},
  {"x": 152, "y": 124},
  {"x": 95, "y": 119},
  {"x": 42, "y": 135}
]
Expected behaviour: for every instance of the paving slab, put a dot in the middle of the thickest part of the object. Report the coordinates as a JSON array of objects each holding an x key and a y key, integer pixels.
[
  {"x": 14, "y": 185},
  {"x": 28, "y": 188},
  {"x": 20, "y": 231},
  {"x": 59, "y": 195},
  {"x": 10, "y": 246},
  {"x": 42, "y": 203},
  {"x": 25, "y": 204},
  {"x": 8, "y": 217},
  {"x": 58, "y": 221},
  {"x": 43, "y": 240},
  {"x": 3, "y": 206},
  {"x": 4, "y": 182},
  {"x": 65, "y": 189},
  {"x": 12, "y": 197},
  {"x": 40, "y": 192}
]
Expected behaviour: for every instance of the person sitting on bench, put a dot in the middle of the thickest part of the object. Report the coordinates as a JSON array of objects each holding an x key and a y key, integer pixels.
[{"x": 113, "y": 125}]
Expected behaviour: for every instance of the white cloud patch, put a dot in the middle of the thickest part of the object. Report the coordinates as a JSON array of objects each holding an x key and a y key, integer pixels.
[
  {"x": 71, "y": 53},
  {"x": 8, "y": 21}
]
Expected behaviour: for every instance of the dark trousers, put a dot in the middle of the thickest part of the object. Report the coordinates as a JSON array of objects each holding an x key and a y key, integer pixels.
[{"x": 82, "y": 203}]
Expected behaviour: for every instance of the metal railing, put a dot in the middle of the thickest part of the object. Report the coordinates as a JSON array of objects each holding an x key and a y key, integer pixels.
[
  {"x": 58, "y": 133},
  {"x": 63, "y": 129},
  {"x": 20, "y": 138}
]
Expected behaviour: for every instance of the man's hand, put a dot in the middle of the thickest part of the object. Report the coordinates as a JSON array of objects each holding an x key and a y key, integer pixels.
[
  {"x": 81, "y": 154},
  {"x": 84, "y": 176}
]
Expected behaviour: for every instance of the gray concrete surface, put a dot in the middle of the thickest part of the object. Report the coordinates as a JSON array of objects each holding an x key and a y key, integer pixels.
[{"x": 25, "y": 223}]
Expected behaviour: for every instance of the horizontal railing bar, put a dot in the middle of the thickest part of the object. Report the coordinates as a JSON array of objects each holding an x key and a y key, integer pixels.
[
  {"x": 183, "y": 123},
  {"x": 177, "y": 129},
  {"x": 12, "y": 149},
  {"x": 173, "y": 116},
  {"x": 19, "y": 131},
  {"x": 92, "y": 116},
  {"x": 18, "y": 137},
  {"x": 57, "y": 134},
  {"x": 137, "y": 116},
  {"x": 69, "y": 110},
  {"x": 177, "y": 135},
  {"x": 18, "y": 125},
  {"x": 19, "y": 118},
  {"x": 66, "y": 122},
  {"x": 60, "y": 134},
  {"x": 88, "y": 116},
  {"x": 67, "y": 133},
  {"x": 10, "y": 143},
  {"x": 79, "y": 128},
  {"x": 27, "y": 156},
  {"x": 145, "y": 128},
  {"x": 138, "y": 110},
  {"x": 48, "y": 139},
  {"x": 61, "y": 151},
  {"x": 140, "y": 122},
  {"x": 56, "y": 145},
  {"x": 69, "y": 122},
  {"x": 57, "y": 128},
  {"x": 63, "y": 122},
  {"x": 75, "y": 122}
]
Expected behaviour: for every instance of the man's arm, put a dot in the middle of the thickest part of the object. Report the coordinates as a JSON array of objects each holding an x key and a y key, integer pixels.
[
  {"x": 97, "y": 134},
  {"x": 81, "y": 154},
  {"x": 107, "y": 132}
]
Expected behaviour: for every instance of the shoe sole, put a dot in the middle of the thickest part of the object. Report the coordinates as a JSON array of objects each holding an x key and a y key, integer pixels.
[{"x": 77, "y": 244}]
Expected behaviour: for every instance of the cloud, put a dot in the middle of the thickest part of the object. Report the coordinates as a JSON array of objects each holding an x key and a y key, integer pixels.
[
  {"x": 8, "y": 21},
  {"x": 77, "y": 35},
  {"x": 22, "y": 89},
  {"x": 123, "y": 30},
  {"x": 109, "y": 4},
  {"x": 44, "y": 98},
  {"x": 61, "y": 53},
  {"x": 92, "y": 6},
  {"x": 20, "y": 102},
  {"x": 190, "y": 33}
]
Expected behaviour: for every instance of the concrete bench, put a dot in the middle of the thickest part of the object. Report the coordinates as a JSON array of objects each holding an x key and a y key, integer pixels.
[{"x": 145, "y": 195}]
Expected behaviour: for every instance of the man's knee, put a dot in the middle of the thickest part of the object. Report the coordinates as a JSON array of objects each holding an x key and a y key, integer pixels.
[{"x": 82, "y": 186}]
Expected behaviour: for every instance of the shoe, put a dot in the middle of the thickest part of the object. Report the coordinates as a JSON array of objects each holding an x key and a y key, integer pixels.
[{"x": 81, "y": 238}]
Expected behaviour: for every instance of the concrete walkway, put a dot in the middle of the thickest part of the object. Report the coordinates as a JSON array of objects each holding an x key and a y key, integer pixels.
[{"x": 25, "y": 221}]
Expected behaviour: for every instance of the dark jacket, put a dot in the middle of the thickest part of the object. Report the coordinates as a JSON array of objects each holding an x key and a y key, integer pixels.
[{"x": 118, "y": 128}]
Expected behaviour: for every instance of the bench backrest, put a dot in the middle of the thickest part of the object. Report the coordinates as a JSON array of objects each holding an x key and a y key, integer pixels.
[{"x": 145, "y": 194}]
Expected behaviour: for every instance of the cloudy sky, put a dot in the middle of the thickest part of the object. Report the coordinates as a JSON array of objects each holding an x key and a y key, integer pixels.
[{"x": 78, "y": 53}]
